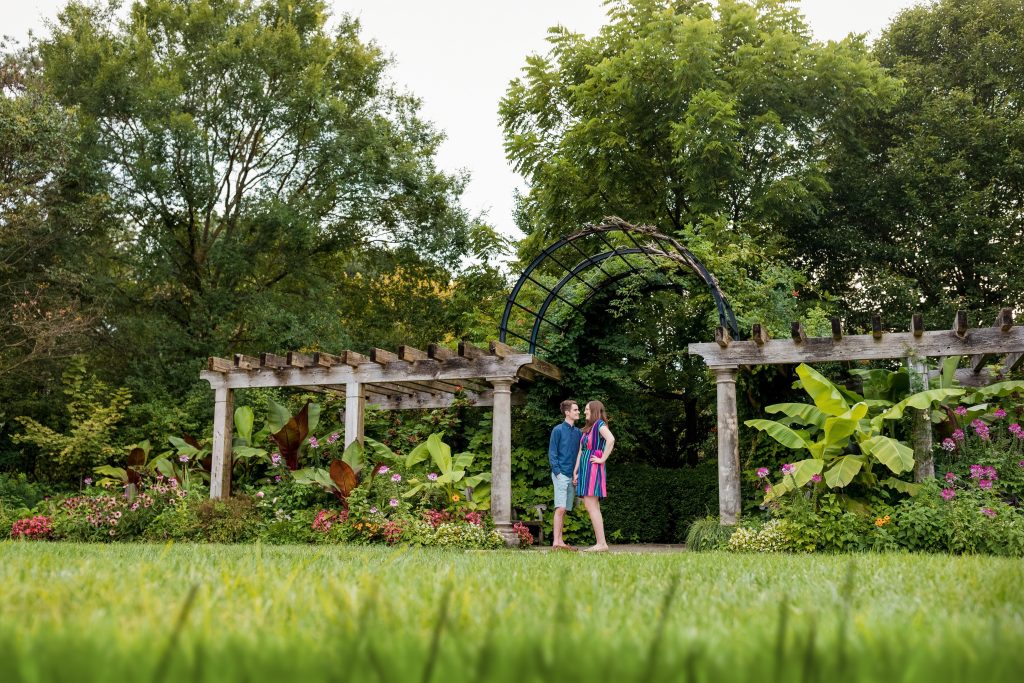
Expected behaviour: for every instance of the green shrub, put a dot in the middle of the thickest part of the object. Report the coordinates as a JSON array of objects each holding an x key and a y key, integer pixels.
[
  {"x": 232, "y": 520},
  {"x": 175, "y": 523},
  {"x": 285, "y": 531},
  {"x": 708, "y": 534},
  {"x": 651, "y": 505},
  {"x": 16, "y": 491},
  {"x": 770, "y": 537}
]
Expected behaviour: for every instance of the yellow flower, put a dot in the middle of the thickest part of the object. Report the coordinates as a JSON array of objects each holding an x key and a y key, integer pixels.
[{"x": 455, "y": 497}]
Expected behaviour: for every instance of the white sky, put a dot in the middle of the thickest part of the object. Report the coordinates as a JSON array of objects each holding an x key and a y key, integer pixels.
[{"x": 459, "y": 55}]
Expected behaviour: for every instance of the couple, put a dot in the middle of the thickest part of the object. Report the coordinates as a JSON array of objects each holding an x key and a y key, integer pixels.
[{"x": 577, "y": 467}]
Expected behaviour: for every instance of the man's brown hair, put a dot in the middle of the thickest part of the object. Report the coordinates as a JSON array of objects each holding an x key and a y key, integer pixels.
[{"x": 566, "y": 406}]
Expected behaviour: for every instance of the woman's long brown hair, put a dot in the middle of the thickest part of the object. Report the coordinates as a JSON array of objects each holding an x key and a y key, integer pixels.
[{"x": 596, "y": 413}]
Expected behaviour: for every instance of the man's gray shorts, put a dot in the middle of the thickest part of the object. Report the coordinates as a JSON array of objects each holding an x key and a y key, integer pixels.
[{"x": 565, "y": 492}]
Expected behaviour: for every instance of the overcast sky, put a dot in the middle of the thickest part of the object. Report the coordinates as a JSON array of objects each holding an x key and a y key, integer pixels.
[{"x": 459, "y": 55}]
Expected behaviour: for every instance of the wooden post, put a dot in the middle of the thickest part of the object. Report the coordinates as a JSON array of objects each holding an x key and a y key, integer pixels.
[
  {"x": 220, "y": 469},
  {"x": 728, "y": 446},
  {"x": 355, "y": 409},
  {"x": 921, "y": 429},
  {"x": 501, "y": 458}
]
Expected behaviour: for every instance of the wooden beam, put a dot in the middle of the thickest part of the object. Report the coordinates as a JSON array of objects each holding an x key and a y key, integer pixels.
[
  {"x": 215, "y": 364},
  {"x": 244, "y": 362},
  {"x": 498, "y": 348},
  {"x": 960, "y": 324},
  {"x": 382, "y": 357},
  {"x": 270, "y": 360},
  {"x": 459, "y": 370},
  {"x": 966, "y": 377},
  {"x": 299, "y": 360},
  {"x": 1012, "y": 361},
  {"x": 354, "y": 359},
  {"x": 917, "y": 324},
  {"x": 837, "y": 329},
  {"x": 876, "y": 327},
  {"x": 433, "y": 401},
  {"x": 1004, "y": 321},
  {"x": 759, "y": 334},
  {"x": 722, "y": 337},
  {"x": 438, "y": 352},
  {"x": 863, "y": 347},
  {"x": 410, "y": 354},
  {"x": 325, "y": 360},
  {"x": 797, "y": 332},
  {"x": 467, "y": 350}
]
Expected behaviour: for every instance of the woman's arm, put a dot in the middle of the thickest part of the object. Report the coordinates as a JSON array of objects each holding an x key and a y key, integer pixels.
[
  {"x": 576, "y": 467},
  {"x": 609, "y": 444}
]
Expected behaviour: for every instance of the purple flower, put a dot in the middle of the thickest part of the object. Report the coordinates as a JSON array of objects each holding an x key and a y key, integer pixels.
[
  {"x": 999, "y": 414},
  {"x": 985, "y": 484},
  {"x": 1020, "y": 464},
  {"x": 277, "y": 479},
  {"x": 948, "y": 494},
  {"x": 950, "y": 476},
  {"x": 373, "y": 510},
  {"x": 433, "y": 475},
  {"x": 788, "y": 468},
  {"x": 275, "y": 459},
  {"x": 313, "y": 443},
  {"x": 88, "y": 481},
  {"x": 948, "y": 445},
  {"x": 960, "y": 410},
  {"x": 762, "y": 472},
  {"x": 333, "y": 437},
  {"x": 393, "y": 502},
  {"x": 988, "y": 511},
  {"x": 1015, "y": 429},
  {"x": 958, "y": 435},
  {"x": 182, "y": 458},
  {"x": 396, "y": 477},
  {"x": 384, "y": 469},
  {"x": 816, "y": 478}
]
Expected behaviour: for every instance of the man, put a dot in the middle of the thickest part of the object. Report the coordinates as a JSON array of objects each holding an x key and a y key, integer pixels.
[{"x": 562, "y": 450}]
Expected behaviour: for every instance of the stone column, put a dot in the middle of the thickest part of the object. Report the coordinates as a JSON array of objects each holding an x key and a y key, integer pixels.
[
  {"x": 501, "y": 458},
  {"x": 223, "y": 417},
  {"x": 921, "y": 423},
  {"x": 728, "y": 446},
  {"x": 355, "y": 409}
]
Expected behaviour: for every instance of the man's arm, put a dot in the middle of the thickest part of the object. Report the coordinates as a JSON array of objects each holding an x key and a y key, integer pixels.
[{"x": 553, "y": 444}]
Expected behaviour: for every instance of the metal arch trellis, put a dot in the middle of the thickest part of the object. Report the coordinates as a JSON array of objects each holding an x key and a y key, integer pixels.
[{"x": 660, "y": 250}]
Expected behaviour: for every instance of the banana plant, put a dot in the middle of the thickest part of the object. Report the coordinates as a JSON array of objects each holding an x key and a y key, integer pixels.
[
  {"x": 289, "y": 432},
  {"x": 841, "y": 439},
  {"x": 136, "y": 466},
  {"x": 341, "y": 478},
  {"x": 451, "y": 471}
]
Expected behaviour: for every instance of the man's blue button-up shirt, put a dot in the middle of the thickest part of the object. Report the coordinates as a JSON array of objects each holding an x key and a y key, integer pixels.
[{"x": 563, "y": 448}]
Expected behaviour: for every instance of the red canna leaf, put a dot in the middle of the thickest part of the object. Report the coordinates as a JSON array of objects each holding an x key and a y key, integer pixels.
[{"x": 291, "y": 436}]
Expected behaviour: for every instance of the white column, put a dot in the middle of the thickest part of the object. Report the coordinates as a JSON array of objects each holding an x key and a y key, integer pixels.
[
  {"x": 220, "y": 469},
  {"x": 728, "y": 446},
  {"x": 501, "y": 458},
  {"x": 355, "y": 409},
  {"x": 921, "y": 423}
]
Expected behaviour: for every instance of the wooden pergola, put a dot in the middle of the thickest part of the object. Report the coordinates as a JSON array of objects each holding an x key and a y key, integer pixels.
[
  {"x": 725, "y": 356},
  {"x": 406, "y": 380}
]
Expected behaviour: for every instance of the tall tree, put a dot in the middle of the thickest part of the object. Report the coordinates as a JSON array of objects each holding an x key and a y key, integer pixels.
[
  {"x": 928, "y": 211},
  {"x": 685, "y": 113},
  {"x": 247, "y": 146}
]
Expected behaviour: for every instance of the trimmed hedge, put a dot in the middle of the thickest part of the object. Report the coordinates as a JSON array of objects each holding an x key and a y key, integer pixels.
[{"x": 651, "y": 505}]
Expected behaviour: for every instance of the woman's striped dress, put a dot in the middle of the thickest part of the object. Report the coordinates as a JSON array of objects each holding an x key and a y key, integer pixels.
[{"x": 591, "y": 475}]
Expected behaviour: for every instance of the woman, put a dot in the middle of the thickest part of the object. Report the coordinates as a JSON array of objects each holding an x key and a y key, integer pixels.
[{"x": 595, "y": 447}]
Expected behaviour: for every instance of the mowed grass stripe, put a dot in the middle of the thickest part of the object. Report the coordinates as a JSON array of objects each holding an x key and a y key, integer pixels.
[{"x": 107, "y": 612}]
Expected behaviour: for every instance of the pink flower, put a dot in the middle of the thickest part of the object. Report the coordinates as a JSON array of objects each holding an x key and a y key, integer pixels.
[
  {"x": 985, "y": 484},
  {"x": 767, "y": 488},
  {"x": 762, "y": 472},
  {"x": 788, "y": 468},
  {"x": 333, "y": 437},
  {"x": 393, "y": 502},
  {"x": 313, "y": 443},
  {"x": 275, "y": 459},
  {"x": 1014, "y": 429},
  {"x": 88, "y": 480},
  {"x": 277, "y": 479},
  {"x": 999, "y": 414},
  {"x": 960, "y": 410},
  {"x": 260, "y": 494},
  {"x": 948, "y": 444},
  {"x": 948, "y": 494},
  {"x": 958, "y": 435},
  {"x": 433, "y": 475},
  {"x": 950, "y": 476},
  {"x": 988, "y": 511},
  {"x": 816, "y": 478},
  {"x": 373, "y": 510},
  {"x": 384, "y": 469},
  {"x": 396, "y": 477},
  {"x": 183, "y": 458}
]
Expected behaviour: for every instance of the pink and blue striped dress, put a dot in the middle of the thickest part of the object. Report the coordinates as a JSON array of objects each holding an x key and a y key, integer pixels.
[{"x": 591, "y": 475}]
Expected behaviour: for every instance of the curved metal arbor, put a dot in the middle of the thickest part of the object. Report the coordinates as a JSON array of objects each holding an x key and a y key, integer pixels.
[{"x": 615, "y": 263}]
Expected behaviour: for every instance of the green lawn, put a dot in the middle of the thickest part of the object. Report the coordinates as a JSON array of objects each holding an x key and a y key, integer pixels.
[{"x": 109, "y": 612}]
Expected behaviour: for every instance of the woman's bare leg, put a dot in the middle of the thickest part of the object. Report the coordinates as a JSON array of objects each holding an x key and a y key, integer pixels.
[{"x": 593, "y": 506}]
